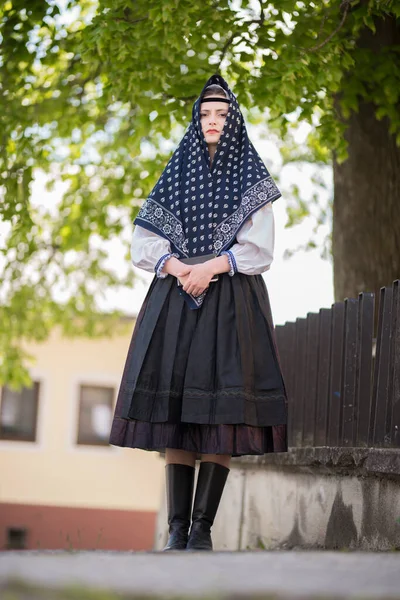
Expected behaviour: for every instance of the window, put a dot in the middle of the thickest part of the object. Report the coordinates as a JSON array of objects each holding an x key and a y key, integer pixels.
[
  {"x": 16, "y": 538},
  {"x": 95, "y": 413},
  {"x": 18, "y": 413}
]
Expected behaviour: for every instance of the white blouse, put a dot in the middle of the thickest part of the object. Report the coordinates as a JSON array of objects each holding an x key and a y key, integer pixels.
[{"x": 253, "y": 251}]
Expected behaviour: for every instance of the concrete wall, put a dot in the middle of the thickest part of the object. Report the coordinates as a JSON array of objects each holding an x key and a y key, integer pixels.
[{"x": 309, "y": 498}]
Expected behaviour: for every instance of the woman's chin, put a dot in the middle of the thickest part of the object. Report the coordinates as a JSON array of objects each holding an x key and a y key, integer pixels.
[{"x": 212, "y": 138}]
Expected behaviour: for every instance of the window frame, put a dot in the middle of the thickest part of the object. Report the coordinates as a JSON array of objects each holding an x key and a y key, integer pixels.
[
  {"x": 25, "y": 438},
  {"x": 92, "y": 443}
]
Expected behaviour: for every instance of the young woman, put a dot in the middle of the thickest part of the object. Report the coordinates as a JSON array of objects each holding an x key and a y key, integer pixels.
[{"x": 202, "y": 375}]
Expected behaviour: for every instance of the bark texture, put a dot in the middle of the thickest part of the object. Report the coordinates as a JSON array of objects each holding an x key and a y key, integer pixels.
[{"x": 366, "y": 208}]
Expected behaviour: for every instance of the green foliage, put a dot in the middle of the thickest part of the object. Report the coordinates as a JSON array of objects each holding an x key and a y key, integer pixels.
[
  {"x": 90, "y": 93},
  {"x": 17, "y": 589}
]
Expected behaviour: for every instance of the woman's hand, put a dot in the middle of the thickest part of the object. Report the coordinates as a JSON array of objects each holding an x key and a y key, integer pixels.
[
  {"x": 173, "y": 266},
  {"x": 198, "y": 279}
]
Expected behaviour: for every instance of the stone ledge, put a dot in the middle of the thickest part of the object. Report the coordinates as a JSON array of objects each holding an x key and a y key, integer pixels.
[{"x": 330, "y": 459}]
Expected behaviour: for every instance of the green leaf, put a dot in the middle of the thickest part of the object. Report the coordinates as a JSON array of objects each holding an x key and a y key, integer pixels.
[{"x": 369, "y": 22}]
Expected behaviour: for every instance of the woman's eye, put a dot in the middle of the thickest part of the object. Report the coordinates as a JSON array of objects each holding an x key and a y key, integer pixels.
[{"x": 220, "y": 115}]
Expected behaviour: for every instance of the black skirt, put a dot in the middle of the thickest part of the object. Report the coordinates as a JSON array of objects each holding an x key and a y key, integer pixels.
[{"x": 205, "y": 380}]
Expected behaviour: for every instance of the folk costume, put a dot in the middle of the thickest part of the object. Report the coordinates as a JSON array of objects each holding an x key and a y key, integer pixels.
[{"x": 202, "y": 373}]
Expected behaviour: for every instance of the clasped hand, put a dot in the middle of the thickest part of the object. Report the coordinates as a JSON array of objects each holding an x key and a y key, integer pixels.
[{"x": 195, "y": 278}]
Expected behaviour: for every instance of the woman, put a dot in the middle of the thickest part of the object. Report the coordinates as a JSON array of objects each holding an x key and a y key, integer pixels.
[{"x": 202, "y": 377}]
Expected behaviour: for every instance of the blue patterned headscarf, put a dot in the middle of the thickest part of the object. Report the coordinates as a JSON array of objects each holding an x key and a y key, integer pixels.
[{"x": 200, "y": 209}]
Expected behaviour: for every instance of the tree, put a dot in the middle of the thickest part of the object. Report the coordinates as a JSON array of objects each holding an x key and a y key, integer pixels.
[{"x": 92, "y": 93}]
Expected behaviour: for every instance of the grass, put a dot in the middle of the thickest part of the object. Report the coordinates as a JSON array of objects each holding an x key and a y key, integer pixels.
[{"x": 19, "y": 590}]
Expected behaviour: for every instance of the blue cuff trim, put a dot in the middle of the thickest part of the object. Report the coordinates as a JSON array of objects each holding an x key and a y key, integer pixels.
[
  {"x": 161, "y": 262},
  {"x": 232, "y": 262}
]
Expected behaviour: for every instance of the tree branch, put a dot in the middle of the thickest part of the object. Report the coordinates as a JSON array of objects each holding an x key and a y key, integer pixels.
[
  {"x": 260, "y": 21},
  {"x": 225, "y": 49},
  {"x": 120, "y": 19},
  {"x": 344, "y": 7},
  {"x": 262, "y": 15}
]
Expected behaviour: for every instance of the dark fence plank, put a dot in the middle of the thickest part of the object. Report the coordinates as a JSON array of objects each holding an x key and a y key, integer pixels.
[
  {"x": 282, "y": 349},
  {"x": 335, "y": 378},
  {"x": 393, "y": 427},
  {"x": 364, "y": 368},
  {"x": 348, "y": 387},
  {"x": 324, "y": 357},
  {"x": 289, "y": 376},
  {"x": 310, "y": 398},
  {"x": 299, "y": 382},
  {"x": 290, "y": 332},
  {"x": 381, "y": 372}
]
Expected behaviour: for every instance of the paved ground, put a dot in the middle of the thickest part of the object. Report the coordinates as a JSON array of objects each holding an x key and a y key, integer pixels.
[{"x": 294, "y": 574}]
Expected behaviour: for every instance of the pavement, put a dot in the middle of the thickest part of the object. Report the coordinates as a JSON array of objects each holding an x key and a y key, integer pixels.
[{"x": 274, "y": 574}]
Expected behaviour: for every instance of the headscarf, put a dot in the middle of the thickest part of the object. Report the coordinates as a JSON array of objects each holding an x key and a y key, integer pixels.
[{"x": 201, "y": 209}]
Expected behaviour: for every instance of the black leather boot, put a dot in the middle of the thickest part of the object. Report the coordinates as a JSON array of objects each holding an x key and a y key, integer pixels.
[
  {"x": 179, "y": 484},
  {"x": 210, "y": 485}
]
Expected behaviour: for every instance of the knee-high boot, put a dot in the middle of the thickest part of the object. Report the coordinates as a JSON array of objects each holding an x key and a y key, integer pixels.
[
  {"x": 210, "y": 485},
  {"x": 179, "y": 485}
]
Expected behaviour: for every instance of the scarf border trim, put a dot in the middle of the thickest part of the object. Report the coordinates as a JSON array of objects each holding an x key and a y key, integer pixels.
[{"x": 156, "y": 218}]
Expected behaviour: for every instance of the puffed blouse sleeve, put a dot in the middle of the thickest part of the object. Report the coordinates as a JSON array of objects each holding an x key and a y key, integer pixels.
[
  {"x": 150, "y": 251},
  {"x": 253, "y": 252}
]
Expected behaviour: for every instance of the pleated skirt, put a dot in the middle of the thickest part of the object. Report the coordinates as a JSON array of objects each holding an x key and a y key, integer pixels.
[{"x": 208, "y": 380}]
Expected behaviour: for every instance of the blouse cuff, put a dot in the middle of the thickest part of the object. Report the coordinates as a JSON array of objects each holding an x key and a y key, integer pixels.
[
  {"x": 161, "y": 262},
  {"x": 232, "y": 262}
]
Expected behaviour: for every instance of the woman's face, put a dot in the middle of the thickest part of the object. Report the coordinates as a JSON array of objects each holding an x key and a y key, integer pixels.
[{"x": 212, "y": 119}]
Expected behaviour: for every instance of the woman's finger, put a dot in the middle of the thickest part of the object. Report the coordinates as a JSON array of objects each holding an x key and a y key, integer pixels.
[
  {"x": 193, "y": 288},
  {"x": 184, "y": 271}
]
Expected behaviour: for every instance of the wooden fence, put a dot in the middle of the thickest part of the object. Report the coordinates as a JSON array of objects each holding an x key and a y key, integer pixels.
[{"x": 343, "y": 385}]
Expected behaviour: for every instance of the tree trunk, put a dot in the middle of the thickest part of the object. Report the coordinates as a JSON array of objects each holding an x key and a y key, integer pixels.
[{"x": 366, "y": 208}]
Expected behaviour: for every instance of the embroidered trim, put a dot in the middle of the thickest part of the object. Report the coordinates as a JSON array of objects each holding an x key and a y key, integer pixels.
[
  {"x": 275, "y": 395},
  {"x": 161, "y": 262},
  {"x": 232, "y": 262},
  {"x": 162, "y": 219},
  {"x": 196, "y": 301},
  {"x": 261, "y": 193}
]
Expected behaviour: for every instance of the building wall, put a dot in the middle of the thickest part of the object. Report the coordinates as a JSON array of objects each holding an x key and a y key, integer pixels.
[
  {"x": 56, "y": 478},
  {"x": 75, "y": 528}
]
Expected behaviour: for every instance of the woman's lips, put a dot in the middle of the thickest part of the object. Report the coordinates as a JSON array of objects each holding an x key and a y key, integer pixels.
[{"x": 212, "y": 131}]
